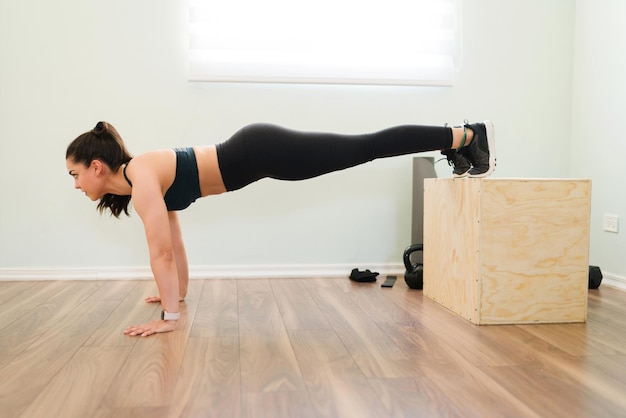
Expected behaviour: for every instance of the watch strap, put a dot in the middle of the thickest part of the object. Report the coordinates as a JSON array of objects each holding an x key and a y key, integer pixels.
[{"x": 169, "y": 316}]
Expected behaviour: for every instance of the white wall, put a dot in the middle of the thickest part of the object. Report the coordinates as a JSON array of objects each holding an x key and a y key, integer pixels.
[
  {"x": 66, "y": 65},
  {"x": 599, "y": 107}
]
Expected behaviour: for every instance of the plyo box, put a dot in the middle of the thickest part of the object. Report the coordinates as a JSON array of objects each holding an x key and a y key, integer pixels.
[{"x": 508, "y": 251}]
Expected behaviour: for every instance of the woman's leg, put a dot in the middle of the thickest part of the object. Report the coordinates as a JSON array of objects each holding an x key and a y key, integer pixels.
[{"x": 261, "y": 150}]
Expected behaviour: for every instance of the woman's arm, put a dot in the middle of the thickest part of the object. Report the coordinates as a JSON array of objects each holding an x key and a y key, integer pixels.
[
  {"x": 149, "y": 205},
  {"x": 182, "y": 265},
  {"x": 180, "y": 255}
]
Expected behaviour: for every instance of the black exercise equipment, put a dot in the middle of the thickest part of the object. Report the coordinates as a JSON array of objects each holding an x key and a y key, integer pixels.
[
  {"x": 423, "y": 168},
  {"x": 414, "y": 274},
  {"x": 364, "y": 276},
  {"x": 595, "y": 277}
]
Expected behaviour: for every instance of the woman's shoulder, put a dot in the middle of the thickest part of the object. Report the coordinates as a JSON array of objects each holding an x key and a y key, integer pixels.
[
  {"x": 159, "y": 164},
  {"x": 157, "y": 155}
]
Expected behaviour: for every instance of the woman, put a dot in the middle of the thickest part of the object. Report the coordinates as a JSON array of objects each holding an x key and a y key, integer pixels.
[{"x": 165, "y": 181}]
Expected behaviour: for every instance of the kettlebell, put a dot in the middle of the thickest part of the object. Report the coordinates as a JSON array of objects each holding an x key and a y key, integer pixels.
[{"x": 414, "y": 274}]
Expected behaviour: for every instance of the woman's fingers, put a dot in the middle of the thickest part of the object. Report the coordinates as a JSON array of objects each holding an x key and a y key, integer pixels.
[
  {"x": 152, "y": 327},
  {"x": 157, "y": 299}
]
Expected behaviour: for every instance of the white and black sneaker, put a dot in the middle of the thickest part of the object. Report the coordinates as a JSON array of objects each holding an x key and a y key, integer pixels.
[
  {"x": 481, "y": 152},
  {"x": 460, "y": 166}
]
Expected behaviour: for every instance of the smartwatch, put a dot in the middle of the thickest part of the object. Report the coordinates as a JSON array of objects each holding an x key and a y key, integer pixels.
[{"x": 168, "y": 316}]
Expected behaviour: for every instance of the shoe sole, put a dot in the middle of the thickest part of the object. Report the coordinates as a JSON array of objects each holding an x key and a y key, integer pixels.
[
  {"x": 491, "y": 143},
  {"x": 460, "y": 176}
]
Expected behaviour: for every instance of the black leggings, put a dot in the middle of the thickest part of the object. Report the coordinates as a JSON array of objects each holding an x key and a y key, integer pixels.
[{"x": 261, "y": 150}]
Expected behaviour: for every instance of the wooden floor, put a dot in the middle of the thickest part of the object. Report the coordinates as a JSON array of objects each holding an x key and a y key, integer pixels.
[{"x": 298, "y": 348}]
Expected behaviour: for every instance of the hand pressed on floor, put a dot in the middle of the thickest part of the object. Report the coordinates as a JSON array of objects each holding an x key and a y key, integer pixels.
[
  {"x": 153, "y": 327},
  {"x": 157, "y": 299}
]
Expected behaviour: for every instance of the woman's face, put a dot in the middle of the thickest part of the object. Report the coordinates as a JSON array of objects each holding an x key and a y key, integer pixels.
[{"x": 87, "y": 178}]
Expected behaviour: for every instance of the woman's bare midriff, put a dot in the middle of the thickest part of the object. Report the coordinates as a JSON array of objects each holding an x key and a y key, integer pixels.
[{"x": 211, "y": 182}]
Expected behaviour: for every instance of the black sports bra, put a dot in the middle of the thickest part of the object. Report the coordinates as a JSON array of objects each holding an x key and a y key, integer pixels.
[{"x": 186, "y": 187}]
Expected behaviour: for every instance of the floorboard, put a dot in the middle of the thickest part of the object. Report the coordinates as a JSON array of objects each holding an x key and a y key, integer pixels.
[
  {"x": 268, "y": 363},
  {"x": 294, "y": 347}
]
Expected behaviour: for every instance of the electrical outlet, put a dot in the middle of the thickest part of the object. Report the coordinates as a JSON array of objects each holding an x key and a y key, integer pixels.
[{"x": 611, "y": 223}]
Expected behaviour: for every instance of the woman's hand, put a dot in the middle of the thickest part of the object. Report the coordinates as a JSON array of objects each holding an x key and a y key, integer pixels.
[
  {"x": 152, "y": 327},
  {"x": 157, "y": 299}
]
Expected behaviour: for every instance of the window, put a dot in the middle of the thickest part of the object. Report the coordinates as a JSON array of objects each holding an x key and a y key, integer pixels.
[{"x": 324, "y": 41}]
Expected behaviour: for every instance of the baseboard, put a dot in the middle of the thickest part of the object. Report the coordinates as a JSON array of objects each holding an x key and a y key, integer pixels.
[
  {"x": 225, "y": 272},
  {"x": 74, "y": 273},
  {"x": 195, "y": 272},
  {"x": 613, "y": 280}
]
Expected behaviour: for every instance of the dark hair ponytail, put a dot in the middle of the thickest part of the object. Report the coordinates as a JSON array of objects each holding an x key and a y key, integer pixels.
[
  {"x": 100, "y": 128},
  {"x": 102, "y": 143}
]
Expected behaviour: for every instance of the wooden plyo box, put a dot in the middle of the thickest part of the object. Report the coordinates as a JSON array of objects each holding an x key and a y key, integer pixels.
[{"x": 508, "y": 251}]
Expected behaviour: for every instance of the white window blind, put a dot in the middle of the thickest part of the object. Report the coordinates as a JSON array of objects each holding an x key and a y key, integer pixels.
[{"x": 324, "y": 41}]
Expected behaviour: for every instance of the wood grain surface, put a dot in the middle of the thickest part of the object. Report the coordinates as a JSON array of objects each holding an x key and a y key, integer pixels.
[
  {"x": 508, "y": 251},
  {"x": 298, "y": 348}
]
